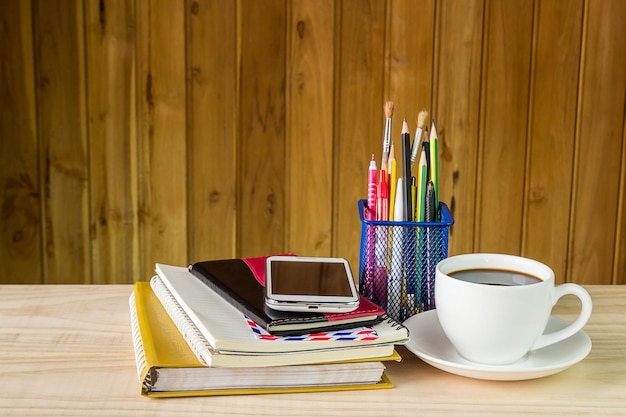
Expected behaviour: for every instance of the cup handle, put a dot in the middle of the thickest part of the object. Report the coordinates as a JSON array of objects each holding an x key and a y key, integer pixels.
[{"x": 573, "y": 328}]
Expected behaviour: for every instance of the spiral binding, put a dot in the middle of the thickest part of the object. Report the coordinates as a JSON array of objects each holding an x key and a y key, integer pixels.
[
  {"x": 198, "y": 343},
  {"x": 140, "y": 356},
  {"x": 394, "y": 323}
]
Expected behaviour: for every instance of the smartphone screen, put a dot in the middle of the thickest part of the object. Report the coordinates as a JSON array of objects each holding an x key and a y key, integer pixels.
[
  {"x": 319, "y": 279},
  {"x": 304, "y": 283}
]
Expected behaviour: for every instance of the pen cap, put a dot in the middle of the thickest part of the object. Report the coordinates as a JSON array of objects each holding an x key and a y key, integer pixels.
[
  {"x": 398, "y": 214},
  {"x": 382, "y": 197}
]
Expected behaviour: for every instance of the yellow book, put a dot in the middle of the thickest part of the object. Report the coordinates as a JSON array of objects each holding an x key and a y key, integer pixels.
[{"x": 167, "y": 367}]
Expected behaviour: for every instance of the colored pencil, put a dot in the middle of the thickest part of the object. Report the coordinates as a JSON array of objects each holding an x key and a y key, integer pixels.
[
  {"x": 429, "y": 205},
  {"x": 413, "y": 198},
  {"x": 422, "y": 178},
  {"x": 426, "y": 149},
  {"x": 392, "y": 180},
  {"x": 434, "y": 163},
  {"x": 406, "y": 170}
]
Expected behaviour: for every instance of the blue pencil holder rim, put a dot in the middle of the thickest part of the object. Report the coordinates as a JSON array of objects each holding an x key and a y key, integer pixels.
[{"x": 446, "y": 218}]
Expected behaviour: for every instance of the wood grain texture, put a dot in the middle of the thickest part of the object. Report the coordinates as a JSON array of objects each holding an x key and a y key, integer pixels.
[
  {"x": 261, "y": 170},
  {"x": 162, "y": 148},
  {"x": 408, "y": 76},
  {"x": 359, "y": 109},
  {"x": 309, "y": 126},
  {"x": 408, "y": 64},
  {"x": 63, "y": 145},
  {"x": 593, "y": 235},
  {"x": 503, "y": 126},
  {"x": 143, "y": 131},
  {"x": 619, "y": 263},
  {"x": 20, "y": 189},
  {"x": 212, "y": 115},
  {"x": 456, "y": 104},
  {"x": 68, "y": 349},
  {"x": 110, "y": 52},
  {"x": 556, "y": 60}
]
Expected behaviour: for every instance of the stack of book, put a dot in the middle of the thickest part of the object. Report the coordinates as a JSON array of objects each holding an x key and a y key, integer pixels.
[{"x": 203, "y": 330}]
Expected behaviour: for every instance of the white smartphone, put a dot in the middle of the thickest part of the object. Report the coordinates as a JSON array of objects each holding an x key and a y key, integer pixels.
[{"x": 299, "y": 283}]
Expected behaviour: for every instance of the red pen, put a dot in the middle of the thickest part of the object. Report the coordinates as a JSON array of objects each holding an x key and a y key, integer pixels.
[
  {"x": 382, "y": 198},
  {"x": 371, "y": 190}
]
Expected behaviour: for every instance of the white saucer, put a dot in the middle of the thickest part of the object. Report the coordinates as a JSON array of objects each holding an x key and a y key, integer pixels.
[{"x": 429, "y": 343}]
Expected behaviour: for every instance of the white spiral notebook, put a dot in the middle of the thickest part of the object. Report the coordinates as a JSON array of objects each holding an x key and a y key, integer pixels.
[{"x": 211, "y": 324}]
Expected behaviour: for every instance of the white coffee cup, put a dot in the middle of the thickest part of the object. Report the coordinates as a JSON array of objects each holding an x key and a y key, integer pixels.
[{"x": 498, "y": 323}]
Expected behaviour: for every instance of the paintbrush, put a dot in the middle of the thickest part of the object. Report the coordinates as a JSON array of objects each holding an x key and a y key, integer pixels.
[
  {"x": 421, "y": 121},
  {"x": 388, "y": 108}
]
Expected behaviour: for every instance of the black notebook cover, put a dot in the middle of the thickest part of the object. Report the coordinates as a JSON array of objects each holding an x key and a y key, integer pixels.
[{"x": 235, "y": 281}]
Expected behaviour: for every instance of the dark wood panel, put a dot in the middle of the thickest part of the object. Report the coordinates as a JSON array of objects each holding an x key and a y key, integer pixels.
[
  {"x": 162, "y": 144},
  {"x": 212, "y": 117},
  {"x": 309, "y": 138},
  {"x": 456, "y": 105},
  {"x": 110, "y": 57},
  {"x": 593, "y": 235},
  {"x": 503, "y": 126},
  {"x": 143, "y": 131},
  {"x": 409, "y": 51},
  {"x": 360, "y": 118},
  {"x": 261, "y": 135},
  {"x": 553, "y": 97},
  {"x": 63, "y": 143},
  {"x": 20, "y": 191}
]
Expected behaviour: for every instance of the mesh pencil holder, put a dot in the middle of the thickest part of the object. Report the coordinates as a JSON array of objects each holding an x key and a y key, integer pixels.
[{"x": 398, "y": 259}]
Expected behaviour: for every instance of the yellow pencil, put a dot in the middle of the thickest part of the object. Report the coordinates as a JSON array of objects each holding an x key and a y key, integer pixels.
[
  {"x": 413, "y": 198},
  {"x": 392, "y": 180}
]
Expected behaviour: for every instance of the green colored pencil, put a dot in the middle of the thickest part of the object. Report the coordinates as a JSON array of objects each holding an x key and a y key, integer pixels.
[
  {"x": 434, "y": 163},
  {"x": 422, "y": 178}
]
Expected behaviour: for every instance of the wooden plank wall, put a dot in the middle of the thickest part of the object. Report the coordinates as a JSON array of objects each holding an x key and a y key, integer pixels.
[{"x": 143, "y": 131}]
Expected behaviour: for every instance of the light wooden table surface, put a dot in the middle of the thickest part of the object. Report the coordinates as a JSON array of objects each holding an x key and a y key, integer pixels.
[{"x": 67, "y": 350}]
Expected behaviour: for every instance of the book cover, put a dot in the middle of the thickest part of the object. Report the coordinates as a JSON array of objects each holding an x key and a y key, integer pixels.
[
  {"x": 209, "y": 356},
  {"x": 242, "y": 283},
  {"x": 167, "y": 367},
  {"x": 227, "y": 330}
]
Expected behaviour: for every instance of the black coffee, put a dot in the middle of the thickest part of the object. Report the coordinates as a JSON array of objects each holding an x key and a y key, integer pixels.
[{"x": 501, "y": 277}]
